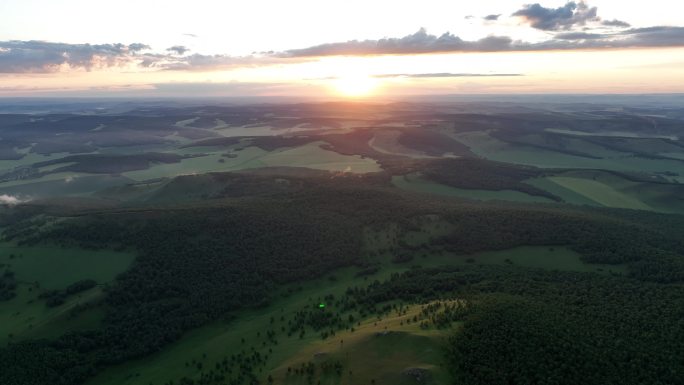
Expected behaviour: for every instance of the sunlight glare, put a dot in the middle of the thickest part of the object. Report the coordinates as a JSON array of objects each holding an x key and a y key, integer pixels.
[{"x": 355, "y": 85}]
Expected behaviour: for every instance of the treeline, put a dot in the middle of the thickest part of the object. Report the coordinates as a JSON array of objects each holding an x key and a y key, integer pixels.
[
  {"x": 110, "y": 164},
  {"x": 57, "y": 297},
  {"x": 8, "y": 285},
  {"x": 652, "y": 251}
]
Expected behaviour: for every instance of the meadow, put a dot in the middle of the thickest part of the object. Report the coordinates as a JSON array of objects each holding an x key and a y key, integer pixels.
[{"x": 41, "y": 269}]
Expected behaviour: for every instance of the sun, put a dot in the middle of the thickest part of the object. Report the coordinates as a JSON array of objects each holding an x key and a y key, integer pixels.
[{"x": 355, "y": 85}]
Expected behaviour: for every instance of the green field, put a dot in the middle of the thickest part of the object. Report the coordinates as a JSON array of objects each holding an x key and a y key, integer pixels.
[
  {"x": 566, "y": 194},
  {"x": 416, "y": 184},
  {"x": 603, "y": 189},
  {"x": 600, "y": 193},
  {"x": 71, "y": 184},
  {"x": 65, "y": 177},
  {"x": 43, "y": 268},
  {"x": 615, "y": 134},
  {"x": 309, "y": 155},
  {"x": 29, "y": 159},
  {"x": 56, "y": 268},
  {"x": 26, "y": 317},
  {"x": 383, "y": 350},
  {"x": 550, "y": 258},
  {"x": 488, "y": 147}
]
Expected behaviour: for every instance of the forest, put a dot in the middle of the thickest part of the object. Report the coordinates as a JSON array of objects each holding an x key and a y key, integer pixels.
[{"x": 202, "y": 261}]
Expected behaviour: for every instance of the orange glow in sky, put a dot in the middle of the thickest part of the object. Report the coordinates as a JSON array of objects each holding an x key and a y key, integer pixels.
[{"x": 224, "y": 49}]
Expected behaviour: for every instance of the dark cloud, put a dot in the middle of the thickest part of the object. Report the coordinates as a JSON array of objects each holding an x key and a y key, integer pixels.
[
  {"x": 579, "y": 36},
  {"x": 445, "y": 75},
  {"x": 616, "y": 23},
  {"x": 178, "y": 49},
  {"x": 40, "y": 56},
  {"x": 137, "y": 47},
  {"x": 662, "y": 36},
  {"x": 492, "y": 17},
  {"x": 565, "y": 17}
]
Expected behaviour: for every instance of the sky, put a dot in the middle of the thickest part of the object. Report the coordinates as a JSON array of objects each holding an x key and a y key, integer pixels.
[{"x": 333, "y": 48}]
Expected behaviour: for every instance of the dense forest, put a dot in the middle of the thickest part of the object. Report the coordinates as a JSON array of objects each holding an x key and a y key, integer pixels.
[
  {"x": 474, "y": 173},
  {"x": 200, "y": 261},
  {"x": 539, "y": 327}
]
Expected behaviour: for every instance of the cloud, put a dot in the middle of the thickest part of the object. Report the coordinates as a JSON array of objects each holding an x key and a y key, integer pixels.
[
  {"x": 662, "y": 36},
  {"x": 40, "y": 56},
  {"x": 492, "y": 17},
  {"x": 419, "y": 42},
  {"x": 423, "y": 43},
  {"x": 223, "y": 89},
  {"x": 136, "y": 47},
  {"x": 10, "y": 200},
  {"x": 565, "y": 17},
  {"x": 445, "y": 75},
  {"x": 49, "y": 57},
  {"x": 579, "y": 36},
  {"x": 178, "y": 49},
  {"x": 199, "y": 62},
  {"x": 190, "y": 35},
  {"x": 616, "y": 23}
]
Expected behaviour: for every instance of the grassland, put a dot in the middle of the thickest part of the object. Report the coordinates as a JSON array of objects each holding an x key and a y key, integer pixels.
[
  {"x": 59, "y": 176},
  {"x": 382, "y": 350},
  {"x": 616, "y": 134},
  {"x": 28, "y": 159},
  {"x": 416, "y": 184},
  {"x": 600, "y": 193},
  {"x": 604, "y": 189},
  {"x": 38, "y": 269},
  {"x": 25, "y": 317},
  {"x": 72, "y": 184},
  {"x": 310, "y": 155},
  {"x": 488, "y": 147},
  {"x": 567, "y": 195},
  {"x": 387, "y": 142},
  {"x": 55, "y": 268}
]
